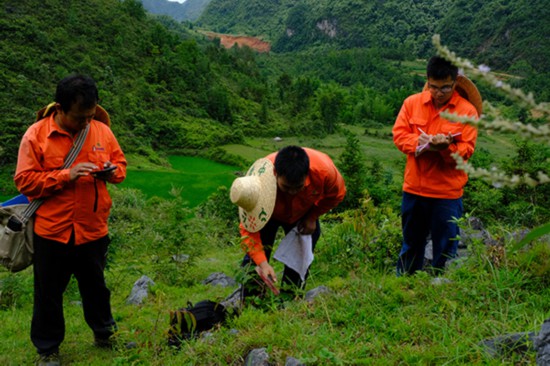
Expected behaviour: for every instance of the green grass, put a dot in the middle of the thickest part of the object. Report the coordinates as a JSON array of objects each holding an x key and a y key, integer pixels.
[
  {"x": 333, "y": 145},
  {"x": 370, "y": 317},
  {"x": 417, "y": 67},
  {"x": 191, "y": 178}
]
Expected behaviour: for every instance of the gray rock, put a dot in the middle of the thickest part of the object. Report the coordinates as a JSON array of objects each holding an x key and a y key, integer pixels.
[
  {"x": 257, "y": 357},
  {"x": 291, "y": 361},
  {"x": 474, "y": 231},
  {"x": 312, "y": 294},
  {"x": 475, "y": 223},
  {"x": 208, "y": 337},
  {"x": 509, "y": 343},
  {"x": 180, "y": 258},
  {"x": 234, "y": 301},
  {"x": 542, "y": 344},
  {"x": 140, "y": 291},
  {"x": 219, "y": 279},
  {"x": 440, "y": 281},
  {"x": 518, "y": 236}
]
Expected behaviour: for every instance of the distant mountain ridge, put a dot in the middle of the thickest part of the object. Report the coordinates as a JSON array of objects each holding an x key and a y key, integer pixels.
[
  {"x": 502, "y": 33},
  {"x": 190, "y": 10}
]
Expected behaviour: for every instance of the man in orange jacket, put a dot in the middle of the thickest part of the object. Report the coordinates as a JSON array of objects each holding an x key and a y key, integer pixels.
[
  {"x": 70, "y": 227},
  {"x": 289, "y": 188},
  {"x": 433, "y": 187}
]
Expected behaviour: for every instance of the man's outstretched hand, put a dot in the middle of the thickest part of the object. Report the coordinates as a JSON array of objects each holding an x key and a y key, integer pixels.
[{"x": 267, "y": 271}]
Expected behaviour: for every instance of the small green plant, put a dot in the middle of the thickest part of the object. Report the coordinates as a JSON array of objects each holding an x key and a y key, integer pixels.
[{"x": 15, "y": 290}]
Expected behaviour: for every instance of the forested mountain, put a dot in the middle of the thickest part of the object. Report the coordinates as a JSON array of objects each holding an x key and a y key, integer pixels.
[
  {"x": 497, "y": 32},
  {"x": 162, "y": 83},
  {"x": 189, "y": 10},
  {"x": 169, "y": 88},
  {"x": 509, "y": 35}
]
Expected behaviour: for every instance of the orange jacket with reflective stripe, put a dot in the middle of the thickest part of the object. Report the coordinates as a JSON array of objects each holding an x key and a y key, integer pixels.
[
  {"x": 433, "y": 173},
  {"x": 68, "y": 205},
  {"x": 324, "y": 189}
]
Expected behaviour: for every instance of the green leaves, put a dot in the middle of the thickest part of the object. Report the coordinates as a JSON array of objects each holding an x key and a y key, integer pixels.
[{"x": 533, "y": 235}]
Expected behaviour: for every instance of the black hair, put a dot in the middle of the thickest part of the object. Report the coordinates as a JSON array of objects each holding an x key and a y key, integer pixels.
[
  {"x": 440, "y": 69},
  {"x": 292, "y": 163},
  {"x": 76, "y": 88}
]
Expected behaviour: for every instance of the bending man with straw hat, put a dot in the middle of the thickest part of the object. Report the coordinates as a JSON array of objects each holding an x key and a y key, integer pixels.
[
  {"x": 289, "y": 188},
  {"x": 433, "y": 187}
]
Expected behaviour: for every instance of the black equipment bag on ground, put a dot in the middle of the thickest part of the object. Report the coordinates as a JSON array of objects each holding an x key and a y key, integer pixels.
[{"x": 186, "y": 323}]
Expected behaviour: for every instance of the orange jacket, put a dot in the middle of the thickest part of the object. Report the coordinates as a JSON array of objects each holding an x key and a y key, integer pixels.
[
  {"x": 69, "y": 205},
  {"x": 324, "y": 189},
  {"x": 434, "y": 173}
]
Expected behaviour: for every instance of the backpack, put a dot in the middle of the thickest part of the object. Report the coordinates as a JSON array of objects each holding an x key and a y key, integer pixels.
[{"x": 187, "y": 323}]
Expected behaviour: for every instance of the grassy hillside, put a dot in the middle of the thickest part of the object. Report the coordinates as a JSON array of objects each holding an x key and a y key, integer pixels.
[{"x": 369, "y": 317}]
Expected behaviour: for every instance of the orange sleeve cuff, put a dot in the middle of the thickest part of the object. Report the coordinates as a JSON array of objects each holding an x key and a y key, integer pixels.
[{"x": 252, "y": 245}]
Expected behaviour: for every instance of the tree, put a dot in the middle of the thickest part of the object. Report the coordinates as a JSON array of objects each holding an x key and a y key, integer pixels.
[
  {"x": 352, "y": 167},
  {"x": 330, "y": 100}
]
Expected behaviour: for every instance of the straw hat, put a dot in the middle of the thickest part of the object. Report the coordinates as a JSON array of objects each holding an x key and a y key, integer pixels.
[
  {"x": 255, "y": 195},
  {"x": 101, "y": 114},
  {"x": 467, "y": 90}
]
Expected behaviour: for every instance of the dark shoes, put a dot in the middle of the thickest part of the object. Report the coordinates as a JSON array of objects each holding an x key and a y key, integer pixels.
[
  {"x": 52, "y": 359},
  {"x": 107, "y": 343},
  {"x": 112, "y": 342},
  {"x": 49, "y": 360}
]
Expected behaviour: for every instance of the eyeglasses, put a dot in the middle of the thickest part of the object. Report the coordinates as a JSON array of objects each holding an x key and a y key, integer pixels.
[{"x": 444, "y": 89}]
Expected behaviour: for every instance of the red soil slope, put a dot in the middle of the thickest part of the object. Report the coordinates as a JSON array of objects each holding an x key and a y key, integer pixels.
[{"x": 229, "y": 41}]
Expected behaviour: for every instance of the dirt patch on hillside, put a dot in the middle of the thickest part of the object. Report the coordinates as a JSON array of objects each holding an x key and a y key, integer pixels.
[{"x": 228, "y": 41}]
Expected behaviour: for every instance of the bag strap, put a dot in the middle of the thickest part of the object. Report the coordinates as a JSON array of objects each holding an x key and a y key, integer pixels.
[{"x": 69, "y": 160}]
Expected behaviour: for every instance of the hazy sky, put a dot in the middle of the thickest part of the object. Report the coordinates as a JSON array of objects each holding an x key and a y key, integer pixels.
[{"x": 178, "y": 1}]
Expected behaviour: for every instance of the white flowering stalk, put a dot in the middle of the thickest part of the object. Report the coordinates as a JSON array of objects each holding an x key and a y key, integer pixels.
[
  {"x": 484, "y": 72},
  {"x": 501, "y": 125},
  {"x": 496, "y": 177}
]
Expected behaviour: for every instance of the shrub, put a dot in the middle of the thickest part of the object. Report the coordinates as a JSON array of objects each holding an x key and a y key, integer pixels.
[{"x": 368, "y": 235}]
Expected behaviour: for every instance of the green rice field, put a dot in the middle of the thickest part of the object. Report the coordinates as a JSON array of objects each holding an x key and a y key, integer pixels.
[{"x": 192, "y": 178}]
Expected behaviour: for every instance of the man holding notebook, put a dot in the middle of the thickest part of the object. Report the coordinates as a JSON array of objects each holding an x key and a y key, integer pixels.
[
  {"x": 433, "y": 187},
  {"x": 70, "y": 227}
]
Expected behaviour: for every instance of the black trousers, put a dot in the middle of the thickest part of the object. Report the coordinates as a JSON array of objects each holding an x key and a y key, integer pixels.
[
  {"x": 268, "y": 234},
  {"x": 54, "y": 264}
]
